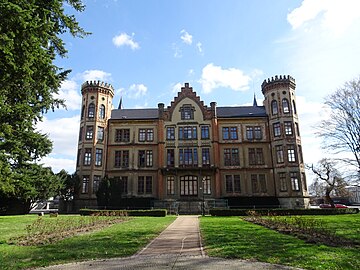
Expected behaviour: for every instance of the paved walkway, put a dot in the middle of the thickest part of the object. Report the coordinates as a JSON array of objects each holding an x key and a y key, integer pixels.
[{"x": 177, "y": 247}]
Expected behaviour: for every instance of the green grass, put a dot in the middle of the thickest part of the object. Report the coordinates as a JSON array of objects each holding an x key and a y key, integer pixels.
[
  {"x": 232, "y": 237},
  {"x": 119, "y": 240}
]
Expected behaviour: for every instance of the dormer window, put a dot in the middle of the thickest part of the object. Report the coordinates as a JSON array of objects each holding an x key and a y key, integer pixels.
[{"x": 187, "y": 112}]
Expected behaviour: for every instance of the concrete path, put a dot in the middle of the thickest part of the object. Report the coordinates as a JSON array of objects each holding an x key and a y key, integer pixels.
[{"x": 177, "y": 247}]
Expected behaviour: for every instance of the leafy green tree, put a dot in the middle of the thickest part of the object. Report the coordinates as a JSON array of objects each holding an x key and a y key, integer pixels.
[
  {"x": 30, "y": 41},
  {"x": 71, "y": 185}
]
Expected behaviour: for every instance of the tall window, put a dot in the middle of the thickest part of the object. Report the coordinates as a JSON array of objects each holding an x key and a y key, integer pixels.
[
  {"x": 295, "y": 185},
  {"x": 188, "y": 185},
  {"x": 231, "y": 157},
  {"x": 170, "y": 133},
  {"x": 170, "y": 185},
  {"x": 100, "y": 133},
  {"x": 144, "y": 184},
  {"x": 291, "y": 153},
  {"x": 274, "y": 107},
  {"x": 205, "y": 153},
  {"x": 187, "y": 133},
  {"x": 205, "y": 132},
  {"x": 85, "y": 184},
  {"x": 277, "y": 130},
  {"x": 258, "y": 183},
  {"x": 294, "y": 106},
  {"x": 279, "y": 154},
  {"x": 78, "y": 157},
  {"x": 253, "y": 133},
  {"x": 96, "y": 182},
  {"x": 91, "y": 110},
  {"x": 206, "y": 184},
  {"x": 102, "y": 111},
  {"x": 170, "y": 160},
  {"x": 145, "y": 158},
  {"x": 256, "y": 156},
  {"x": 89, "y": 132},
  {"x": 122, "y": 184},
  {"x": 232, "y": 183},
  {"x": 146, "y": 135},
  {"x": 122, "y": 135},
  {"x": 187, "y": 112},
  {"x": 121, "y": 159},
  {"x": 188, "y": 157},
  {"x": 82, "y": 112},
  {"x": 87, "y": 157},
  {"x": 81, "y": 133},
  {"x": 288, "y": 128},
  {"x": 285, "y": 104},
  {"x": 297, "y": 129},
  {"x": 229, "y": 133},
  {"x": 98, "y": 157},
  {"x": 282, "y": 180}
]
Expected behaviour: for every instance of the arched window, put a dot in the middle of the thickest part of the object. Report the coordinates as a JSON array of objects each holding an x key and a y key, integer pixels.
[
  {"x": 91, "y": 110},
  {"x": 274, "y": 107},
  {"x": 82, "y": 112},
  {"x": 285, "y": 104},
  {"x": 294, "y": 106},
  {"x": 102, "y": 112}
]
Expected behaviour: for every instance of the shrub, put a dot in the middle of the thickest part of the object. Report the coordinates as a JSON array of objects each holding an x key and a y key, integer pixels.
[
  {"x": 148, "y": 213},
  {"x": 282, "y": 212}
]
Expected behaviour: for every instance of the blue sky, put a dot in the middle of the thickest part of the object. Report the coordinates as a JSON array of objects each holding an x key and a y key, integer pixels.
[{"x": 223, "y": 48}]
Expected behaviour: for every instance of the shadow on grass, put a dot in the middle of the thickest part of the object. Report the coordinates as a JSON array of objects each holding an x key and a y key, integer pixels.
[
  {"x": 232, "y": 237},
  {"x": 119, "y": 240}
]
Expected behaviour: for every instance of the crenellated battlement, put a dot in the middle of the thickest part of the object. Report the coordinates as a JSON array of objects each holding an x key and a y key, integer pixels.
[
  {"x": 282, "y": 79},
  {"x": 97, "y": 83}
]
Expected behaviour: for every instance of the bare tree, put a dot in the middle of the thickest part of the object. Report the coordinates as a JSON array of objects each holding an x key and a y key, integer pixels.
[
  {"x": 341, "y": 131},
  {"x": 328, "y": 178}
]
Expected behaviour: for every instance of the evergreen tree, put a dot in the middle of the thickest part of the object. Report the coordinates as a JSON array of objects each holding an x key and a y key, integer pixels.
[{"x": 30, "y": 41}]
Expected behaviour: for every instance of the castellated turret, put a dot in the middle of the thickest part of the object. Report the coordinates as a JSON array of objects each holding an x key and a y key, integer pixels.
[
  {"x": 96, "y": 111},
  {"x": 280, "y": 105}
]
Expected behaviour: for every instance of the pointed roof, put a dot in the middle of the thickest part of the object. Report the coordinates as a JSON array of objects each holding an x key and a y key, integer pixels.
[
  {"x": 120, "y": 104},
  {"x": 254, "y": 102}
]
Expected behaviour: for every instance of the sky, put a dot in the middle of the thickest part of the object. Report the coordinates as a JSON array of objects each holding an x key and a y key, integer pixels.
[{"x": 224, "y": 48}]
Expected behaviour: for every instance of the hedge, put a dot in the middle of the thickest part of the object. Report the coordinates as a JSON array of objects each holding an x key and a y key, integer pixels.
[
  {"x": 282, "y": 212},
  {"x": 139, "y": 213}
]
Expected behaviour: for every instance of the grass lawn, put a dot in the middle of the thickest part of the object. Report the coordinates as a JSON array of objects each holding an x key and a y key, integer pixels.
[
  {"x": 119, "y": 240},
  {"x": 232, "y": 237}
]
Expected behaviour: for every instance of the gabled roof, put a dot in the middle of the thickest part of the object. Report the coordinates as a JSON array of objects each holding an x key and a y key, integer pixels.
[
  {"x": 151, "y": 113},
  {"x": 241, "y": 111}
]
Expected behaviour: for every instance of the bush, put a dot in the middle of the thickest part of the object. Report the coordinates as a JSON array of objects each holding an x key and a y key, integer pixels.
[
  {"x": 139, "y": 213},
  {"x": 282, "y": 212}
]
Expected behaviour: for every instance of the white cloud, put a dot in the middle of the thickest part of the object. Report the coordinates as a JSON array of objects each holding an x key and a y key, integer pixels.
[
  {"x": 176, "y": 88},
  {"x": 177, "y": 51},
  {"x": 215, "y": 76},
  {"x": 57, "y": 164},
  {"x": 125, "y": 40},
  {"x": 63, "y": 132},
  {"x": 69, "y": 91},
  {"x": 186, "y": 37},
  {"x": 136, "y": 91},
  {"x": 333, "y": 15},
  {"x": 199, "y": 47},
  {"x": 94, "y": 75}
]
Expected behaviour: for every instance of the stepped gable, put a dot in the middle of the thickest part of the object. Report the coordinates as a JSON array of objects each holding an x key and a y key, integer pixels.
[
  {"x": 187, "y": 92},
  {"x": 278, "y": 81}
]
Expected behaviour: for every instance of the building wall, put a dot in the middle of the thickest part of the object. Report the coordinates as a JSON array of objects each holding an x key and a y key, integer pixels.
[{"x": 240, "y": 162}]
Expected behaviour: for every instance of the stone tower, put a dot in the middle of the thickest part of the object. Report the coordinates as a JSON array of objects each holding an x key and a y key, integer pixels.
[
  {"x": 92, "y": 147},
  {"x": 289, "y": 171}
]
